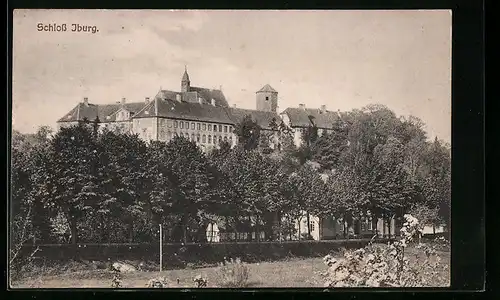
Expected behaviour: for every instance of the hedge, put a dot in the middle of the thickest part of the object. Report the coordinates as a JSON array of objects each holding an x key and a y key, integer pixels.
[{"x": 181, "y": 255}]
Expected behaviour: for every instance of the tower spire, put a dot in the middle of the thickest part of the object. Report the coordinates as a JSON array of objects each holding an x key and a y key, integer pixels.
[{"x": 185, "y": 82}]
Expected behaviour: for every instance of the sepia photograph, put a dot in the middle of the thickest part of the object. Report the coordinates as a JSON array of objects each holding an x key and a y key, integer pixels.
[{"x": 230, "y": 149}]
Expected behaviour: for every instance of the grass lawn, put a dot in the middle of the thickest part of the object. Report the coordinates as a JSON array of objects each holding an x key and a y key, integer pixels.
[
  {"x": 290, "y": 273},
  {"x": 297, "y": 272}
]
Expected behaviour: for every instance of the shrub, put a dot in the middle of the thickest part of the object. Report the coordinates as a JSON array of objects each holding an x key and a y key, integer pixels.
[
  {"x": 116, "y": 282},
  {"x": 200, "y": 281},
  {"x": 158, "y": 282},
  {"x": 386, "y": 265},
  {"x": 233, "y": 274}
]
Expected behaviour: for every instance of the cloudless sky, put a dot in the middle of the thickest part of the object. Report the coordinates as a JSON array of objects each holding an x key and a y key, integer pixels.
[{"x": 342, "y": 59}]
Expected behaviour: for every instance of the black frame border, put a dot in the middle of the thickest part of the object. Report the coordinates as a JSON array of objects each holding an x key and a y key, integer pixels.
[{"x": 468, "y": 134}]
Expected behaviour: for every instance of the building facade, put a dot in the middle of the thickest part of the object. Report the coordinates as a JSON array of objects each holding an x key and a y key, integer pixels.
[
  {"x": 299, "y": 119},
  {"x": 199, "y": 114}
]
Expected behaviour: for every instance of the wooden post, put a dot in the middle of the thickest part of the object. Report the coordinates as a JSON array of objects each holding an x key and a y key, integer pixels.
[{"x": 161, "y": 248}]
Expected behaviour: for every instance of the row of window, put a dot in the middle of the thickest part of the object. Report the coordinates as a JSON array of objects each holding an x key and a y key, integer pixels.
[
  {"x": 208, "y": 139},
  {"x": 200, "y": 126}
]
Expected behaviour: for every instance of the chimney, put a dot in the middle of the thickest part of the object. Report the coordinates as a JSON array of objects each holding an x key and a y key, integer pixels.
[
  {"x": 213, "y": 102},
  {"x": 323, "y": 108},
  {"x": 178, "y": 97},
  {"x": 234, "y": 105},
  {"x": 200, "y": 100},
  {"x": 123, "y": 101},
  {"x": 147, "y": 100},
  {"x": 86, "y": 101},
  {"x": 302, "y": 106}
]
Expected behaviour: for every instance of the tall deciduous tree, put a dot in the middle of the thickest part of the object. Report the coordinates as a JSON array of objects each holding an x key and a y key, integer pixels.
[
  {"x": 122, "y": 178},
  {"x": 248, "y": 132},
  {"x": 73, "y": 173}
]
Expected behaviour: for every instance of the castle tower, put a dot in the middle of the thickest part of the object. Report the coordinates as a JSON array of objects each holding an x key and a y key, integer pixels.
[
  {"x": 185, "y": 83},
  {"x": 267, "y": 99}
]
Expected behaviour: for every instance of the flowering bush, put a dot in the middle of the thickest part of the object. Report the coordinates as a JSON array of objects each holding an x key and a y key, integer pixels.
[
  {"x": 116, "y": 282},
  {"x": 200, "y": 281},
  {"x": 233, "y": 274},
  {"x": 386, "y": 265},
  {"x": 157, "y": 282}
]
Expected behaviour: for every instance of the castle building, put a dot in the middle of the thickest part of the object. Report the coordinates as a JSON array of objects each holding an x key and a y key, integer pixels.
[
  {"x": 199, "y": 114},
  {"x": 299, "y": 119}
]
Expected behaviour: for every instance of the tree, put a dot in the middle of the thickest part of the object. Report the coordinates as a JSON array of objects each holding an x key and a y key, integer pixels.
[
  {"x": 193, "y": 181},
  {"x": 72, "y": 174},
  {"x": 309, "y": 191},
  {"x": 436, "y": 179},
  {"x": 328, "y": 148},
  {"x": 122, "y": 178},
  {"x": 248, "y": 132}
]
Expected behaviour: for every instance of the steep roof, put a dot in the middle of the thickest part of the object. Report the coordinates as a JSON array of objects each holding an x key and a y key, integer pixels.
[
  {"x": 194, "y": 93},
  {"x": 267, "y": 88},
  {"x": 102, "y": 111},
  {"x": 169, "y": 108},
  {"x": 209, "y": 94},
  {"x": 262, "y": 118},
  {"x": 301, "y": 117}
]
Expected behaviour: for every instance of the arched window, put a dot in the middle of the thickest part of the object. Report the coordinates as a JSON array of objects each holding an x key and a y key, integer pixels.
[
  {"x": 192, "y": 125},
  {"x": 220, "y": 128},
  {"x": 225, "y": 139},
  {"x": 192, "y": 136},
  {"x": 204, "y": 139},
  {"x": 209, "y": 139},
  {"x": 220, "y": 139},
  {"x": 176, "y": 124},
  {"x": 198, "y": 138},
  {"x": 182, "y": 125}
]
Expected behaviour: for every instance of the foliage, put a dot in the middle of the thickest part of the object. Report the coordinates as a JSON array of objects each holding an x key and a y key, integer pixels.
[
  {"x": 233, "y": 273},
  {"x": 248, "y": 132},
  {"x": 200, "y": 281},
  {"x": 158, "y": 282},
  {"x": 81, "y": 185},
  {"x": 386, "y": 266},
  {"x": 116, "y": 282}
]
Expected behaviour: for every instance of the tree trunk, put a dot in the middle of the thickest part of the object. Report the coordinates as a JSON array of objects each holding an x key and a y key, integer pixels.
[
  {"x": 390, "y": 227},
  {"x": 131, "y": 231},
  {"x": 384, "y": 224},
  {"x": 74, "y": 231},
  {"x": 434, "y": 229},
  {"x": 299, "y": 232},
  {"x": 308, "y": 220},
  {"x": 249, "y": 229},
  {"x": 375, "y": 225},
  {"x": 184, "y": 230}
]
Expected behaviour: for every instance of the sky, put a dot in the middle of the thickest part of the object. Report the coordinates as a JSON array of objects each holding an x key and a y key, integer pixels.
[{"x": 342, "y": 59}]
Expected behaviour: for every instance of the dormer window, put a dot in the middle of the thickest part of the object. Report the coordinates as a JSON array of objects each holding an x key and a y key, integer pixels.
[
  {"x": 267, "y": 98},
  {"x": 108, "y": 117}
]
